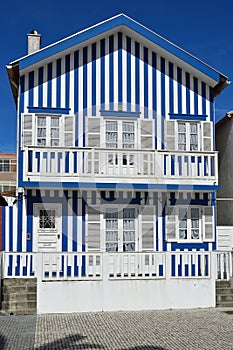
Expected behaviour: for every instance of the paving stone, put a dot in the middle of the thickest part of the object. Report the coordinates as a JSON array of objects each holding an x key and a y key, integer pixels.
[{"x": 199, "y": 329}]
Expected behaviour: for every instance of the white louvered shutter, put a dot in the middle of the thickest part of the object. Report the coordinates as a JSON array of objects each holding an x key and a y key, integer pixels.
[
  {"x": 207, "y": 136},
  {"x": 171, "y": 223},
  {"x": 93, "y": 132},
  {"x": 208, "y": 224},
  {"x": 68, "y": 131},
  {"x": 148, "y": 227},
  {"x": 93, "y": 228},
  {"x": 147, "y": 133},
  {"x": 27, "y": 130},
  {"x": 170, "y": 143}
]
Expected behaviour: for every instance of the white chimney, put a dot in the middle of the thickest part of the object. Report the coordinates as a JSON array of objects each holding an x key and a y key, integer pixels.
[{"x": 34, "y": 41}]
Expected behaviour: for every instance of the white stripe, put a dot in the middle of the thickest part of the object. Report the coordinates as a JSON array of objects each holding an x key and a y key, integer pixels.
[
  {"x": 54, "y": 86},
  {"x": 150, "y": 93},
  {"x": 15, "y": 228},
  {"x": 199, "y": 97},
  {"x": 26, "y": 86},
  {"x": 191, "y": 95},
  {"x": 133, "y": 76},
  {"x": 7, "y": 229},
  {"x": 141, "y": 81},
  {"x": 207, "y": 103},
  {"x": 63, "y": 83},
  {"x": 79, "y": 219},
  {"x": 166, "y": 89},
  {"x": 175, "y": 90},
  {"x": 106, "y": 71},
  {"x": 183, "y": 92},
  {"x": 71, "y": 97},
  {"x": 158, "y": 89},
  {"x": 69, "y": 222},
  {"x": 36, "y": 90},
  {"x": 160, "y": 223},
  {"x": 89, "y": 82},
  {"x": 45, "y": 86},
  {"x": 24, "y": 227}
]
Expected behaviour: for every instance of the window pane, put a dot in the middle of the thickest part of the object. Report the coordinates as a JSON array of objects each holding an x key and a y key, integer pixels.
[
  {"x": 54, "y": 121},
  {"x": 47, "y": 219},
  {"x": 182, "y": 223},
  {"x": 182, "y": 127},
  {"x": 41, "y": 121}
]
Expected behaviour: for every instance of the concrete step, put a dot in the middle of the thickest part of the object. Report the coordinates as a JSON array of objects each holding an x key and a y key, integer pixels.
[
  {"x": 224, "y": 304},
  {"x": 220, "y": 291},
  {"x": 223, "y": 284},
  {"x": 224, "y": 297}
]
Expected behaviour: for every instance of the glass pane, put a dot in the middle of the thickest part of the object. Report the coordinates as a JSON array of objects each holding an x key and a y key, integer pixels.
[
  {"x": 111, "y": 126},
  {"x": 54, "y": 121},
  {"x": 41, "y": 121},
  {"x": 182, "y": 234},
  {"x": 182, "y": 127},
  {"x": 54, "y": 133},
  {"x": 195, "y": 234},
  {"x": 193, "y": 128},
  {"x": 41, "y": 132},
  {"x": 47, "y": 219}
]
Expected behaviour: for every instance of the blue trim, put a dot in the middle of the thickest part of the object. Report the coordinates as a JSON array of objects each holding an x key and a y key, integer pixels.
[
  {"x": 99, "y": 185},
  {"x": 3, "y": 228},
  {"x": 65, "y": 223},
  {"x": 48, "y": 110},
  {"x": 187, "y": 79},
  {"x": 67, "y": 77},
  {"x": 31, "y": 88},
  {"x": 164, "y": 196},
  {"x": 76, "y": 92},
  {"x": 102, "y": 72},
  {"x": 11, "y": 229},
  {"x": 189, "y": 246},
  {"x": 179, "y": 89},
  {"x": 211, "y": 93},
  {"x": 49, "y": 85},
  {"x": 171, "y": 88},
  {"x": 111, "y": 71},
  {"x": 85, "y": 53},
  {"x": 120, "y": 114},
  {"x": 154, "y": 96},
  {"x": 120, "y": 68},
  {"x": 195, "y": 88},
  {"x": 93, "y": 67},
  {"x": 58, "y": 88},
  {"x": 113, "y": 23},
  {"x": 137, "y": 76},
  {"x": 145, "y": 53},
  {"x": 129, "y": 82},
  {"x": 197, "y": 117},
  {"x": 20, "y": 222},
  {"x": 75, "y": 221},
  {"x": 29, "y": 220},
  {"x": 203, "y": 94},
  {"x": 162, "y": 62},
  {"x": 83, "y": 222},
  {"x": 157, "y": 223},
  {"x": 40, "y": 86},
  {"x": 21, "y": 110}
]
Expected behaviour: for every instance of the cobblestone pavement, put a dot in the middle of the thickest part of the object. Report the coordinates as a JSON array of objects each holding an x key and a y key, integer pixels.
[{"x": 202, "y": 329}]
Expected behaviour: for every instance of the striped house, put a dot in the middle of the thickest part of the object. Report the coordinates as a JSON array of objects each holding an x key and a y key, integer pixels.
[{"x": 117, "y": 172}]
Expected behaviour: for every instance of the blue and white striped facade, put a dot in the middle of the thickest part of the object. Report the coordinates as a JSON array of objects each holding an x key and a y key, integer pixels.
[{"x": 117, "y": 69}]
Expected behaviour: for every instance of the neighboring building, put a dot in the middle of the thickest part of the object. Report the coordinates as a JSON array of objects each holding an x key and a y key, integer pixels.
[
  {"x": 224, "y": 144},
  {"x": 117, "y": 172},
  {"x": 7, "y": 173}
]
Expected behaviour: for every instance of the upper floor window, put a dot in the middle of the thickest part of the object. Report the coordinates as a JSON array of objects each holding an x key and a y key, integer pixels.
[
  {"x": 189, "y": 223},
  {"x": 188, "y": 136},
  {"x": 120, "y": 134},
  {"x": 5, "y": 165},
  {"x": 48, "y": 131}
]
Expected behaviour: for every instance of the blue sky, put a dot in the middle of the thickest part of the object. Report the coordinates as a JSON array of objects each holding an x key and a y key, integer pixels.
[{"x": 202, "y": 28}]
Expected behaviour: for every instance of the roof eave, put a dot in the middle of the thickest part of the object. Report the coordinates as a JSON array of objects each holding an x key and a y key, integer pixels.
[{"x": 13, "y": 76}]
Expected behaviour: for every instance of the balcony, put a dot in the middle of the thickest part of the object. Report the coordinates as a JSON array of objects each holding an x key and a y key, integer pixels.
[{"x": 122, "y": 165}]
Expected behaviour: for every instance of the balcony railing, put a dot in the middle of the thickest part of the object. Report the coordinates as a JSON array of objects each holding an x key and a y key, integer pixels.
[{"x": 155, "y": 166}]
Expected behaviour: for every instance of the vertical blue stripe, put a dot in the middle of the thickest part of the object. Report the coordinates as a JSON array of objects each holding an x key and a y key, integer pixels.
[
  {"x": 84, "y": 82},
  {"x": 3, "y": 228},
  {"x": 21, "y": 110},
  {"x": 29, "y": 220},
  {"x": 20, "y": 222},
  {"x": 40, "y": 87},
  {"x": 145, "y": 82},
  {"x": 128, "y": 49},
  {"x": 76, "y": 92},
  {"x": 211, "y": 93},
  {"x": 171, "y": 88},
  {"x": 102, "y": 78},
  {"x": 203, "y": 94},
  {"x": 137, "y": 76},
  {"x": 111, "y": 71},
  {"x": 187, "y": 78},
  {"x": 164, "y": 195},
  {"x": 195, "y": 83},
  {"x": 67, "y": 77},
  {"x": 120, "y": 67},
  {"x": 65, "y": 222},
  {"x": 58, "y": 89},
  {"x": 157, "y": 223},
  {"x": 93, "y": 57},
  {"x": 154, "y": 94},
  {"x": 49, "y": 79},
  {"x": 11, "y": 228},
  {"x": 162, "y": 61},
  {"x": 83, "y": 225},
  {"x": 75, "y": 221},
  {"x": 179, "y": 88},
  {"x": 31, "y": 88}
]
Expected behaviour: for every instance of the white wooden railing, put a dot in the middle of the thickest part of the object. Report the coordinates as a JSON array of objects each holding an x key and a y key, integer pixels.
[
  {"x": 224, "y": 265},
  {"x": 89, "y": 162},
  {"x": 97, "y": 266}
]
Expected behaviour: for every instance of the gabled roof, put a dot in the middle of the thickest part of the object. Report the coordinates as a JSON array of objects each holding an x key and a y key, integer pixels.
[{"x": 120, "y": 22}]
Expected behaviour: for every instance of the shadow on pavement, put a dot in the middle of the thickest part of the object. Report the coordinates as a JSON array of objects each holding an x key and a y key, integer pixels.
[
  {"x": 2, "y": 342},
  {"x": 74, "y": 341}
]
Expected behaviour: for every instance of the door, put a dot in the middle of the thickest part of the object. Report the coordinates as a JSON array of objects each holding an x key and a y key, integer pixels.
[{"x": 47, "y": 227}]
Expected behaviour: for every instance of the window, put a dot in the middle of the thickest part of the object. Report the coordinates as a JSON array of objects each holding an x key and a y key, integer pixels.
[
  {"x": 120, "y": 229},
  {"x": 189, "y": 223},
  {"x": 47, "y": 219},
  {"x": 5, "y": 165},
  {"x": 48, "y": 131},
  {"x": 188, "y": 136}
]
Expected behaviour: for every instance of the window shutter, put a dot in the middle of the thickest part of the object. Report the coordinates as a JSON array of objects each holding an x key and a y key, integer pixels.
[
  {"x": 27, "y": 130},
  {"x": 93, "y": 228},
  {"x": 147, "y": 227},
  {"x": 208, "y": 223},
  {"x": 68, "y": 131},
  {"x": 93, "y": 132},
  {"x": 207, "y": 136},
  {"x": 170, "y": 135},
  {"x": 147, "y": 133},
  {"x": 171, "y": 223}
]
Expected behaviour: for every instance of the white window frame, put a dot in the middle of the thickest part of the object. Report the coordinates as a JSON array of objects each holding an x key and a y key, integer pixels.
[
  {"x": 120, "y": 219},
  {"x": 58, "y": 216},
  {"x": 48, "y": 129},
  {"x": 187, "y": 133},
  {"x": 120, "y": 132},
  {"x": 189, "y": 227},
  {"x": 5, "y": 166}
]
